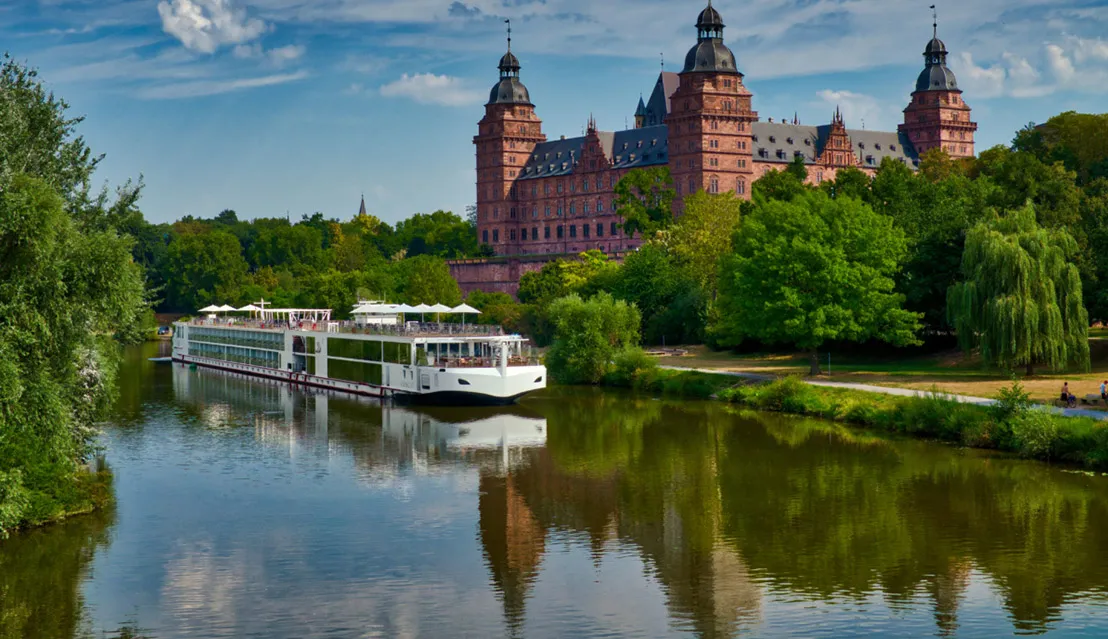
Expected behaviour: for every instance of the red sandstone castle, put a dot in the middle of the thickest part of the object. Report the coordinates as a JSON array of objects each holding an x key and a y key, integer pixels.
[{"x": 540, "y": 199}]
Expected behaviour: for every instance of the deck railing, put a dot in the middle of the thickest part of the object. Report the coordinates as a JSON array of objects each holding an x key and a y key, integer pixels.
[{"x": 407, "y": 329}]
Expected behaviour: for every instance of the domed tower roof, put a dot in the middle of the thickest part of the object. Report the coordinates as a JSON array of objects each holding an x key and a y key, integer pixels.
[
  {"x": 509, "y": 90},
  {"x": 710, "y": 54},
  {"x": 936, "y": 76}
]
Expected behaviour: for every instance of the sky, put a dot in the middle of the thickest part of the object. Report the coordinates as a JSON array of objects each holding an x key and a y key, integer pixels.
[{"x": 288, "y": 107}]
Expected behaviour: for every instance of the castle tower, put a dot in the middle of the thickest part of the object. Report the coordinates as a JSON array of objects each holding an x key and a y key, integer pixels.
[
  {"x": 937, "y": 117},
  {"x": 640, "y": 114},
  {"x": 710, "y": 145},
  {"x": 505, "y": 138}
]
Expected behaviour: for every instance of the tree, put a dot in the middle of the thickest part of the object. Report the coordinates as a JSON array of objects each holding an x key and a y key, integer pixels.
[
  {"x": 778, "y": 185},
  {"x": 204, "y": 269},
  {"x": 812, "y": 270},
  {"x": 426, "y": 279},
  {"x": 644, "y": 199},
  {"x": 848, "y": 182},
  {"x": 62, "y": 292},
  {"x": 496, "y": 308},
  {"x": 588, "y": 334},
  {"x": 1020, "y": 302},
  {"x": 441, "y": 233},
  {"x": 797, "y": 169},
  {"x": 703, "y": 234},
  {"x": 670, "y": 301},
  {"x": 1078, "y": 140}
]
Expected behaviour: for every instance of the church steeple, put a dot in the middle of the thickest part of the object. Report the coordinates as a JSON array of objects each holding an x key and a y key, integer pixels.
[{"x": 361, "y": 209}]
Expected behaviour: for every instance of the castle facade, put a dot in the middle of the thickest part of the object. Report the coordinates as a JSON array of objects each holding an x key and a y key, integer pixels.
[{"x": 539, "y": 199}]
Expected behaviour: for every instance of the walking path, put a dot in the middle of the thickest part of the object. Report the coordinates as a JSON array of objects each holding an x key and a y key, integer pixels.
[{"x": 901, "y": 392}]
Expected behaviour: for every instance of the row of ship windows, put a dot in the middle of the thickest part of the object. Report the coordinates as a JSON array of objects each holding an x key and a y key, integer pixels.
[
  {"x": 251, "y": 339},
  {"x": 559, "y": 232},
  {"x": 236, "y": 354}
]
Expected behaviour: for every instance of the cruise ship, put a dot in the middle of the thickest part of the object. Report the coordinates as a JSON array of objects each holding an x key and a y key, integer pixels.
[{"x": 377, "y": 353}]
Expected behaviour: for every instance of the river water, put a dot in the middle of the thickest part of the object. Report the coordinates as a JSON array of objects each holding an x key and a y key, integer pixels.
[{"x": 249, "y": 509}]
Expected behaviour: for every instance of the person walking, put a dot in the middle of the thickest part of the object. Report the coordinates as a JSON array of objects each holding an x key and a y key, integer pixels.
[{"x": 1104, "y": 390}]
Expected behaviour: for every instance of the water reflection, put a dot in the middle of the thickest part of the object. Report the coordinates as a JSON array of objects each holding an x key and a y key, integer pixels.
[{"x": 254, "y": 509}]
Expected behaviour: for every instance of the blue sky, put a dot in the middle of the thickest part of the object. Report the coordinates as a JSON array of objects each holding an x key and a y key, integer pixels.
[{"x": 268, "y": 106}]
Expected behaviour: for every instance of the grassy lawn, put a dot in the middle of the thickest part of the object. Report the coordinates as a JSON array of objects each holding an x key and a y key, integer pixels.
[{"x": 949, "y": 372}]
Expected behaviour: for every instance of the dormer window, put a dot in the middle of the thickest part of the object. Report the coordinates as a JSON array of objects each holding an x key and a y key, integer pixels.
[{"x": 861, "y": 145}]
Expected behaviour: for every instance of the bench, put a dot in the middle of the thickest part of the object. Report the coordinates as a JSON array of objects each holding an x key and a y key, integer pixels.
[{"x": 1091, "y": 400}]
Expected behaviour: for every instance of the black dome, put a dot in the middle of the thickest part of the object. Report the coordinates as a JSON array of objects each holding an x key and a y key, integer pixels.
[
  {"x": 709, "y": 17},
  {"x": 710, "y": 56},
  {"x": 935, "y": 46},
  {"x": 509, "y": 91},
  {"x": 509, "y": 61},
  {"x": 937, "y": 78}
]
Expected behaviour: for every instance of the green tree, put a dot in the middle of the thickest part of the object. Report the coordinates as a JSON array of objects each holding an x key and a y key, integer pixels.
[
  {"x": 204, "y": 269},
  {"x": 778, "y": 185},
  {"x": 1020, "y": 303},
  {"x": 62, "y": 293},
  {"x": 848, "y": 182},
  {"x": 441, "y": 233},
  {"x": 1078, "y": 140},
  {"x": 812, "y": 270},
  {"x": 644, "y": 199},
  {"x": 588, "y": 334},
  {"x": 426, "y": 279},
  {"x": 703, "y": 234},
  {"x": 496, "y": 308}
]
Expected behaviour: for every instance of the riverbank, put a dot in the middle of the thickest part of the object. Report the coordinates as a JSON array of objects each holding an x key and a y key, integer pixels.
[
  {"x": 54, "y": 499},
  {"x": 1011, "y": 423},
  {"x": 949, "y": 372}
]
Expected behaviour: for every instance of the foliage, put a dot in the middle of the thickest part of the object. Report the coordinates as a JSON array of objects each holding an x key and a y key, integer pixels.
[
  {"x": 426, "y": 279},
  {"x": 587, "y": 335},
  {"x": 703, "y": 235},
  {"x": 812, "y": 270},
  {"x": 1078, "y": 140},
  {"x": 496, "y": 308},
  {"x": 1012, "y": 401},
  {"x": 644, "y": 199},
  {"x": 630, "y": 366},
  {"x": 205, "y": 269},
  {"x": 1020, "y": 303},
  {"x": 441, "y": 233},
  {"x": 778, "y": 185},
  {"x": 61, "y": 292}
]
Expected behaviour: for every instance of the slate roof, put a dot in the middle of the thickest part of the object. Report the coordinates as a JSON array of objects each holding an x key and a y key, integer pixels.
[
  {"x": 657, "y": 108},
  {"x": 648, "y": 145},
  {"x": 781, "y": 142}
]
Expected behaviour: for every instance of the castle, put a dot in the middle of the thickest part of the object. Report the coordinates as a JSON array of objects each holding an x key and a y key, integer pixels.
[{"x": 540, "y": 199}]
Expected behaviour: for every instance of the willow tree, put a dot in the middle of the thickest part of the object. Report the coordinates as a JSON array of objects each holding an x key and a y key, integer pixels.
[{"x": 1020, "y": 301}]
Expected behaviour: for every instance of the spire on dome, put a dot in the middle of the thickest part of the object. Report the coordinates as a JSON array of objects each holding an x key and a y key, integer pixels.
[
  {"x": 710, "y": 54},
  {"x": 936, "y": 76},
  {"x": 509, "y": 90}
]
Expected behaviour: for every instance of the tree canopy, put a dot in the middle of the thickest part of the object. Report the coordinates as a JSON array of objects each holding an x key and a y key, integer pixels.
[
  {"x": 1020, "y": 302},
  {"x": 644, "y": 199},
  {"x": 811, "y": 270},
  {"x": 588, "y": 334}
]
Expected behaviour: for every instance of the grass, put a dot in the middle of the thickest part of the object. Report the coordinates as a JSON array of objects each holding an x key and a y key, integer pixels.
[{"x": 948, "y": 372}]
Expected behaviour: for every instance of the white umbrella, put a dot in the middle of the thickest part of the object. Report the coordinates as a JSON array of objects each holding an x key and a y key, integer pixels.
[
  {"x": 439, "y": 308},
  {"x": 211, "y": 308},
  {"x": 227, "y": 308},
  {"x": 421, "y": 309},
  {"x": 465, "y": 309},
  {"x": 250, "y": 308}
]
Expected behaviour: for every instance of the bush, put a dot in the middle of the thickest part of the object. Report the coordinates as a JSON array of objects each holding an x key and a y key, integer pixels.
[
  {"x": 629, "y": 367},
  {"x": 1035, "y": 433},
  {"x": 1012, "y": 401},
  {"x": 588, "y": 335}
]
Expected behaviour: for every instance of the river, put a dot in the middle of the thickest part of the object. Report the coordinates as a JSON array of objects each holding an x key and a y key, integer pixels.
[{"x": 250, "y": 509}]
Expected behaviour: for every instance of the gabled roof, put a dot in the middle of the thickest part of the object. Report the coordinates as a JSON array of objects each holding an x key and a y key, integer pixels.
[
  {"x": 633, "y": 148},
  {"x": 658, "y": 107},
  {"x": 781, "y": 142}
]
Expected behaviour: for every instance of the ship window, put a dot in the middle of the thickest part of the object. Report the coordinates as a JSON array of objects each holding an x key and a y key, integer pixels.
[{"x": 462, "y": 382}]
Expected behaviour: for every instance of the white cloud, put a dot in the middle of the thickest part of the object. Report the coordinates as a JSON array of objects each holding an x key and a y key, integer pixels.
[
  {"x": 283, "y": 55},
  {"x": 1090, "y": 49},
  {"x": 1060, "y": 65},
  {"x": 859, "y": 109},
  {"x": 428, "y": 88},
  {"x": 207, "y": 25},
  {"x": 985, "y": 82},
  {"x": 213, "y": 87}
]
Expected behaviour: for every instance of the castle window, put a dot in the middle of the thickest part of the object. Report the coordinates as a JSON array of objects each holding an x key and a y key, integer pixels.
[
  {"x": 573, "y": 230},
  {"x": 819, "y": 177},
  {"x": 546, "y": 232},
  {"x": 513, "y": 235},
  {"x": 639, "y": 145},
  {"x": 781, "y": 154},
  {"x": 512, "y": 213},
  {"x": 713, "y": 185},
  {"x": 573, "y": 209},
  {"x": 560, "y": 186},
  {"x": 877, "y": 146},
  {"x": 534, "y": 190},
  {"x": 713, "y": 144},
  {"x": 496, "y": 213},
  {"x": 632, "y": 159},
  {"x": 546, "y": 188},
  {"x": 614, "y": 207},
  {"x": 534, "y": 213},
  {"x": 495, "y": 236},
  {"x": 677, "y": 188},
  {"x": 742, "y": 163},
  {"x": 740, "y": 186},
  {"x": 690, "y": 145},
  {"x": 892, "y": 147},
  {"x": 692, "y": 186},
  {"x": 585, "y": 230},
  {"x": 599, "y": 183},
  {"x": 573, "y": 186},
  {"x": 585, "y": 207},
  {"x": 772, "y": 139},
  {"x": 559, "y": 210},
  {"x": 592, "y": 164},
  {"x": 511, "y": 173},
  {"x": 600, "y": 229},
  {"x": 561, "y": 232},
  {"x": 534, "y": 232},
  {"x": 715, "y": 125},
  {"x": 678, "y": 163},
  {"x": 789, "y": 140},
  {"x": 614, "y": 229},
  {"x": 511, "y": 144},
  {"x": 485, "y": 236},
  {"x": 612, "y": 181}
]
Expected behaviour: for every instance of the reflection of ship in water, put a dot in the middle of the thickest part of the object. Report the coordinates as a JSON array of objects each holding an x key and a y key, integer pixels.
[{"x": 383, "y": 438}]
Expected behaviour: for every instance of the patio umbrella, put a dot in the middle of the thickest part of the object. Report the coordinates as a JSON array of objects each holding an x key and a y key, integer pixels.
[
  {"x": 421, "y": 309},
  {"x": 211, "y": 308},
  {"x": 463, "y": 310},
  {"x": 249, "y": 308},
  {"x": 226, "y": 308}
]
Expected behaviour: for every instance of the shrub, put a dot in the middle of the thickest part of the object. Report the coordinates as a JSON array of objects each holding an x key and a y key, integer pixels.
[
  {"x": 1011, "y": 401},
  {"x": 1035, "y": 433},
  {"x": 628, "y": 367}
]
